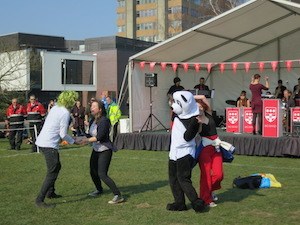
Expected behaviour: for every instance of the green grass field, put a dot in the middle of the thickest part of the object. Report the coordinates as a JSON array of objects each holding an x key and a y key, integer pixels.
[{"x": 142, "y": 178}]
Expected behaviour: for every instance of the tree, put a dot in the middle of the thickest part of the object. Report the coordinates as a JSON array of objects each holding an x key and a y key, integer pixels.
[
  {"x": 16, "y": 66},
  {"x": 216, "y": 7}
]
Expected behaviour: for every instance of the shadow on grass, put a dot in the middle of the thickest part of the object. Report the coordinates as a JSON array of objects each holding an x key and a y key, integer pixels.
[
  {"x": 141, "y": 188},
  {"x": 237, "y": 195},
  {"x": 82, "y": 197}
]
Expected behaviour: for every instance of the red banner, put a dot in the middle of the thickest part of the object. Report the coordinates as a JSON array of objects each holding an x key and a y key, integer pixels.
[
  {"x": 295, "y": 116},
  {"x": 272, "y": 118},
  {"x": 233, "y": 120},
  {"x": 247, "y": 120}
]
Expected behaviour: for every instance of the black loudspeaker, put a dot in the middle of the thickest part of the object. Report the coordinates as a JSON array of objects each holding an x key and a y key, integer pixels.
[{"x": 150, "y": 79}]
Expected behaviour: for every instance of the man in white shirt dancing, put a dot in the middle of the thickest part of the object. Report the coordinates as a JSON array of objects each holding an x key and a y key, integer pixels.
[{"x": 55, "y": 128}]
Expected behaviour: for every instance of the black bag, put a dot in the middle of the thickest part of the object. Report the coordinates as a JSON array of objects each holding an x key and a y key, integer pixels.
[{"x": 251, "y": 182}]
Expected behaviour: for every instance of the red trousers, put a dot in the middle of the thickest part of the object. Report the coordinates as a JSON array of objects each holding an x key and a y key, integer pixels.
[{"x": 211, "y": 166}]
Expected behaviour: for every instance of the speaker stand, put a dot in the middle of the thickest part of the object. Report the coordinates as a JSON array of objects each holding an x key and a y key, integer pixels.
[{"x": 148, "y": 125}]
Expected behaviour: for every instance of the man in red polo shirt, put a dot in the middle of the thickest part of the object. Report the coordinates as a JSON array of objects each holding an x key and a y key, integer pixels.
[{"x": 35, "y": 115}]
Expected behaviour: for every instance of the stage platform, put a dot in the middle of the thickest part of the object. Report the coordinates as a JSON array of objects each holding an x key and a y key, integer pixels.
[{"x": 246, "y": 144}]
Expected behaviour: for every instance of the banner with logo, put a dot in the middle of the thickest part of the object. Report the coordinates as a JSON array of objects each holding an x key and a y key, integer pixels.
[
  {"x": 295, "y": 116},
  {"x": 272, "y": 118},
  {"x": 233, "y": 120},
  {"x": 247, "y": 115}
]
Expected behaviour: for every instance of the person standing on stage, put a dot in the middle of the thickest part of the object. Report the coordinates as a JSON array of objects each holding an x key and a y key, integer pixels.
[
  {"x": 296, "y": 90},
  {"x": 55, "y": 128},
  {"x": 172, "y": 90},
  {"x": 288, "y": 103},
  {"x": 201, "y": 86},
  {"x": 35, "y": 115},
  {"x": 279, "y": 90},
  {"x": 256, "y": 102},
  {"x": 15, "y": 114}
]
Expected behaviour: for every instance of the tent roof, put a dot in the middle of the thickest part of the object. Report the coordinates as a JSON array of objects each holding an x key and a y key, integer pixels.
[{"x": 229, "y": 35}]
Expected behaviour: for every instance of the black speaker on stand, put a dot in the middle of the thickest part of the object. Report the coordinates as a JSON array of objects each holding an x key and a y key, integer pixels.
[{"x": 151, "y": 81}]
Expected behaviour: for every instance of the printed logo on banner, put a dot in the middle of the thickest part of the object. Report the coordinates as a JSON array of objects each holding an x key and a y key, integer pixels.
[
  {"x": 296, "y": 117},
  {"x": 248, "y": 117},
  {"x": 233, "y": 117},
  {"x": 270, "y": 114}
]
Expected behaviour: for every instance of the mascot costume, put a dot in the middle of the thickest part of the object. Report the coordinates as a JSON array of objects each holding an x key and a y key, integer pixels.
[{"x": 182, "y": 151}]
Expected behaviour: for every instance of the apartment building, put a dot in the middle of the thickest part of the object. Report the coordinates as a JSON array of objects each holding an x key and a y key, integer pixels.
[{"x": 156, "y": 20}]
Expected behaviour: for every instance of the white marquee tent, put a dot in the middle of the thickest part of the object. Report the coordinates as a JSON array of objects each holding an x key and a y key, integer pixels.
[{"x": 257, "y": 31}]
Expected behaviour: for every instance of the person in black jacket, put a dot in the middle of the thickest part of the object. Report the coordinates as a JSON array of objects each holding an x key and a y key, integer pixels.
[{"x": 102, "y": 152}]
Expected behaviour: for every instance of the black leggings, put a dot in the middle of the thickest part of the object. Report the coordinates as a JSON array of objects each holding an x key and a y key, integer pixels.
[
  {"x": 259, "y": 120},
  {"x": 99, "y": 164}
]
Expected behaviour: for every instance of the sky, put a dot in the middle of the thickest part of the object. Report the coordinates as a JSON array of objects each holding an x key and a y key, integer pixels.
[{"x": 71, "y": 19}]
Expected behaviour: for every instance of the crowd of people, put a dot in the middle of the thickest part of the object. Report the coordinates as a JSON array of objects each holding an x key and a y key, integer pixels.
[
  {"x": 35, "y": 113},
  {"x": 97, "y": 124}
]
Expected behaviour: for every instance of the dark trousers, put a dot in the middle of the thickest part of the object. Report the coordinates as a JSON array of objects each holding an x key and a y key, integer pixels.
[
  {"x": 259, "y": 120},
  {"x": 15, "y": 137},
  {"x": 180, "y": 173},
  {"x": 99, "y": 164},
  {"x": 113, "y": 132},
  {"x": 38, "y": 128},
  {"x": 53, "y": 168}
]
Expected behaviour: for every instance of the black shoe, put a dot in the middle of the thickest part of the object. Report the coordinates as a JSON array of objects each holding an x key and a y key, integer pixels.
[
  {"x": 44, "y": 205},
  {"x": 176, "y": 207},
  {"x": 253, "y": 133},
  {"x": 54, "y": 196},
  {"x": 259, "y": 132},
  {"x": 199, "y": 205}
]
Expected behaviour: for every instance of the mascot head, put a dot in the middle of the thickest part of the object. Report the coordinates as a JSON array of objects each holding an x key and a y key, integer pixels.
[{"x": 184, "y": 105}]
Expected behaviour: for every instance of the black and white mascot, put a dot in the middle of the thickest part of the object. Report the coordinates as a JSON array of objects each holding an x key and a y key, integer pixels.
[{"x": 182, "y": 151}]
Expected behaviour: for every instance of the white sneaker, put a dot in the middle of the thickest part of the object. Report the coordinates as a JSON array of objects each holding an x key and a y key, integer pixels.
[
  {"x": 212, "y": 205},
  {"x": 214, "y": 197},
  {"x": 116, "y": 199}
]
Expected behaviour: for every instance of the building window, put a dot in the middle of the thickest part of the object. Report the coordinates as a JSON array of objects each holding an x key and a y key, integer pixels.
[
  {"x": 195, "y": 13},
  {"x": 121, "y": 16},
  {"x": 146, "y": 13},
  {"x": 138, "y": 2},
  {"x": 175, "y": 9},
  {"x": 121, "y": 3},
  {"x": 146, "y": 26},
  {"x": 121, "y": 29},
  {"x": 148, "y": 38},
  {"x": 196, "y": 2}
]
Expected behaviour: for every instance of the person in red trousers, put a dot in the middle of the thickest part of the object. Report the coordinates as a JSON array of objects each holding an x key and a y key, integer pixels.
[{"x": 210, "y": 159}]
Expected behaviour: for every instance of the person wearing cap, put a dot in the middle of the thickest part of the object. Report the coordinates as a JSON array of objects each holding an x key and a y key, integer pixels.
[
  {"x": 201, "y": 85},
  {"x": 172, "y": 90},
  {"x": 55, "y": 128},
  {"x": 279, "y": 90},
  {"x": 175, "y": 87}
]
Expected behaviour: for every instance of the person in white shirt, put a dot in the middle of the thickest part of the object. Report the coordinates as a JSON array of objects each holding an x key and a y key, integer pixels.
[{"x": 55, "y": 128}]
